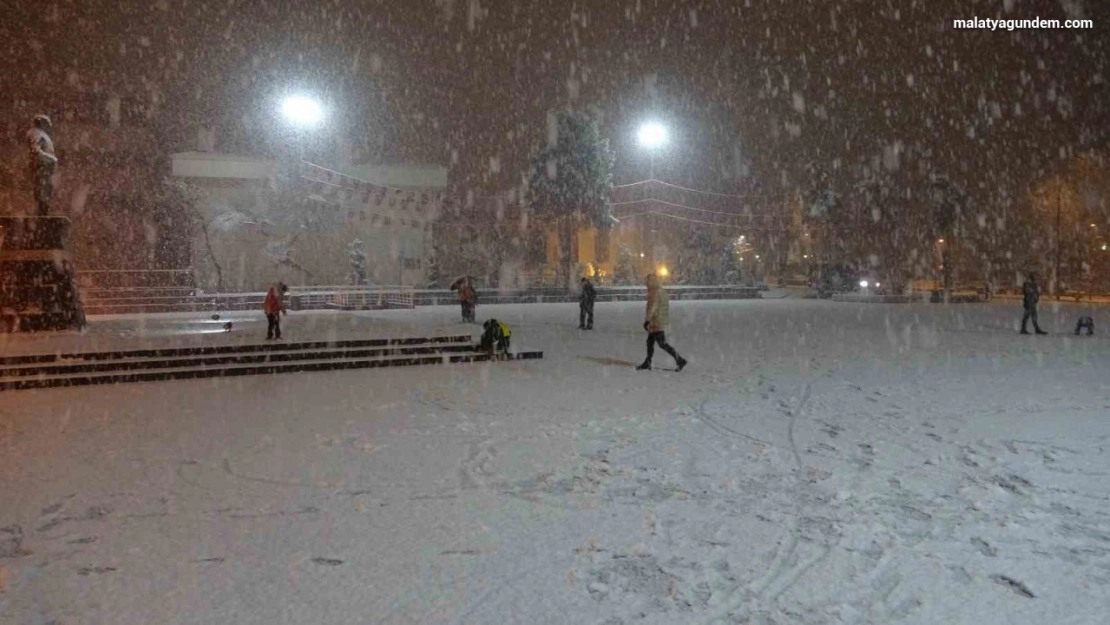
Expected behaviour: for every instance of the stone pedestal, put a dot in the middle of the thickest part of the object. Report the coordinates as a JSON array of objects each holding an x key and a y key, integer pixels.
[{"x": 38, "y": 287}]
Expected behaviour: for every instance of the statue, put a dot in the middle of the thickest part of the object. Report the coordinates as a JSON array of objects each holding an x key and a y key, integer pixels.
[{"x": 42, "y": 163}]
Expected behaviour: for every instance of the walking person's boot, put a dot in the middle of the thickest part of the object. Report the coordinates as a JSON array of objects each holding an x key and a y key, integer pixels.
[
  {"x": 681, "y": 363},
  {"x": 646, "y": 366}
]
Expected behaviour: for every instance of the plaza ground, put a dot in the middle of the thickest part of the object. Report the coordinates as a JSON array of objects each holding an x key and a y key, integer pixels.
[{"x": 817, "y": 462}]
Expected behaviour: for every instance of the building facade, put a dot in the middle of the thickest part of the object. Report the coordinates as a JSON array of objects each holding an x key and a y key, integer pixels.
[{"x": 304, "y": 224}]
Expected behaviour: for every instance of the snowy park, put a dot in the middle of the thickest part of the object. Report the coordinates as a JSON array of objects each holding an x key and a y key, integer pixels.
[{"x": 816, "y": 462}]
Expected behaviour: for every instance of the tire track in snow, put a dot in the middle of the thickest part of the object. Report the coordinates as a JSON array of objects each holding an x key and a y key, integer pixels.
[{"x": 784, "y": 555}]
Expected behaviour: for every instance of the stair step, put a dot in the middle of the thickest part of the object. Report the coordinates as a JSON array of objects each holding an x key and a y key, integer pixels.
[
  {"x": 180, "y": 373},
  {"x": 69, "y": 367},
  {"x": 209, "y": 350}
]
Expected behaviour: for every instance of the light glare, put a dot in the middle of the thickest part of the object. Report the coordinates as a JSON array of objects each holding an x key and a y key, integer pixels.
[
  {"x": 652, "y": 135},
  {"x": 302, "y": 111}
]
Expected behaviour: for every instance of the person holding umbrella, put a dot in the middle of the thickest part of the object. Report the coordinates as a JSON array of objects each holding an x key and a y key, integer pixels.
[{"x": 468, "y": 297}]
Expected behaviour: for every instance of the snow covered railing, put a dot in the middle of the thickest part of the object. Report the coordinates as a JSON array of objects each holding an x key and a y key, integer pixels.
[
  {"x": 347, "y": 297},
  {"x": 437, "y": 297}
]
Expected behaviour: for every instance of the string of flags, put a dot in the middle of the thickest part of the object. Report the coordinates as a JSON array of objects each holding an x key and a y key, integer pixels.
[
  {"x": 344, "y": 189},
  {"x": 347, "y": 192}
]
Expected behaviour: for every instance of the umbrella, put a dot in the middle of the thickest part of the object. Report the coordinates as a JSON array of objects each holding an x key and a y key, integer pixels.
[{"x": 460, "y": 281}]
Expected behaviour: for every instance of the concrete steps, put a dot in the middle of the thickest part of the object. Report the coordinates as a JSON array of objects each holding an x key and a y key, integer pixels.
[{"x": 148, "y": 365}]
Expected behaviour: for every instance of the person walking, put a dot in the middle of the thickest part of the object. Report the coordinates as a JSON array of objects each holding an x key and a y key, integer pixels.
[
  {"x": 274, "y": 307},
  {"x": 1030, "y": 295},
  {"x": 42, "y": 163},
  {"x": 655, "y": 323},
  {"x": 468, "y": 300},
  {"x": 586, "y": 298}
]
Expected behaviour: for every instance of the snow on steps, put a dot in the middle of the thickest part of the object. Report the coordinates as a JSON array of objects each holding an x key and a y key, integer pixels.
[{"x": 81, "y": 369}]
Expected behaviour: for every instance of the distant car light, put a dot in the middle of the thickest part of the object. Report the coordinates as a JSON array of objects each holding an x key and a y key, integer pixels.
[{"x": 863, "y": 284}]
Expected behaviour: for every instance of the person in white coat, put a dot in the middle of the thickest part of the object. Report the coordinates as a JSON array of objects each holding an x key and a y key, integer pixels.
[{"x": 655, "y": 323}]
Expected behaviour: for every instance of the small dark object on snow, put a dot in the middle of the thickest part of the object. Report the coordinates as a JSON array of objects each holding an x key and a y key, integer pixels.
[
  {"x": 495, "y": 338},
  {"x": 11, "y": 542},
  {"x": 216, "y": 317},
  {"x": 227, "y": 327},
  {"x": 1013, "y": 584},
  {"x": 1085, "y": 323}
]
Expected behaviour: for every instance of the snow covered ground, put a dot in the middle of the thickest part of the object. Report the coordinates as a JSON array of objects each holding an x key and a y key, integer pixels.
[{"x": 816, "y": 463}]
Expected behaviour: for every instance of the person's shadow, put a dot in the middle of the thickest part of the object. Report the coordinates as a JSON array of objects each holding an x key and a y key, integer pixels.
[{"x": 611, "y": 362}]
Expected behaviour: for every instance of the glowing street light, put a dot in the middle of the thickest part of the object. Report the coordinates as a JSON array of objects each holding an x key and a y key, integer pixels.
[
  {"x": 652, "y": 135},
  {"x": 302, "y": 111}
]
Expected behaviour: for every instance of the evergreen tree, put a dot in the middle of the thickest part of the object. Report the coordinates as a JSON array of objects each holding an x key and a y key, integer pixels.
[
  {"x": 570, "y": 179},
  {"x": 357, "y": 252},
  {"x": 624, "y": 274}
]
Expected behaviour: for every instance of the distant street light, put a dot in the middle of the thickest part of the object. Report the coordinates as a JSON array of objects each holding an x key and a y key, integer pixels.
[{"x": 302, "y": 111}]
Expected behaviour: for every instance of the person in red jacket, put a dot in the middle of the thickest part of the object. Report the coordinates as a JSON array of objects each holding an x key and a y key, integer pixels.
[{"x": 274, "y": 307}]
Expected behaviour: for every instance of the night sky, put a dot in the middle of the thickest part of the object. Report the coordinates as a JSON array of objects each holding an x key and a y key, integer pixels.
[{"x": 758, "y": 95}]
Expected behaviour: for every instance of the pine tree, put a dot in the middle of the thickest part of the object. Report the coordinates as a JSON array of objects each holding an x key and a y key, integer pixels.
[
  {"x": 624, "y": 274},
  {"x": 357, "y": 252},
  {"x": 570, "y": 181}
]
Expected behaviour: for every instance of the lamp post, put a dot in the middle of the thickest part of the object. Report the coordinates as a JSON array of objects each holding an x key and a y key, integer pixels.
[
  {"x": 303, "y": 113},
  {"x": 651, "y": 135}
]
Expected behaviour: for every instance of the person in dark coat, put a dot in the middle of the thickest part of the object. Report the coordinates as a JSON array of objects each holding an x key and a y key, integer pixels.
[
  {"x": 42, "y": 163},
  {"x": 586, "y": 298},
  {"x": 1030, "y": 295}
]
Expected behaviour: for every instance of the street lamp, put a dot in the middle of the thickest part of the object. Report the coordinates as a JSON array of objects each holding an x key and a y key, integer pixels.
[
  {"x": 652, "y": 135},
  {"x": 302, "y": 111}
]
